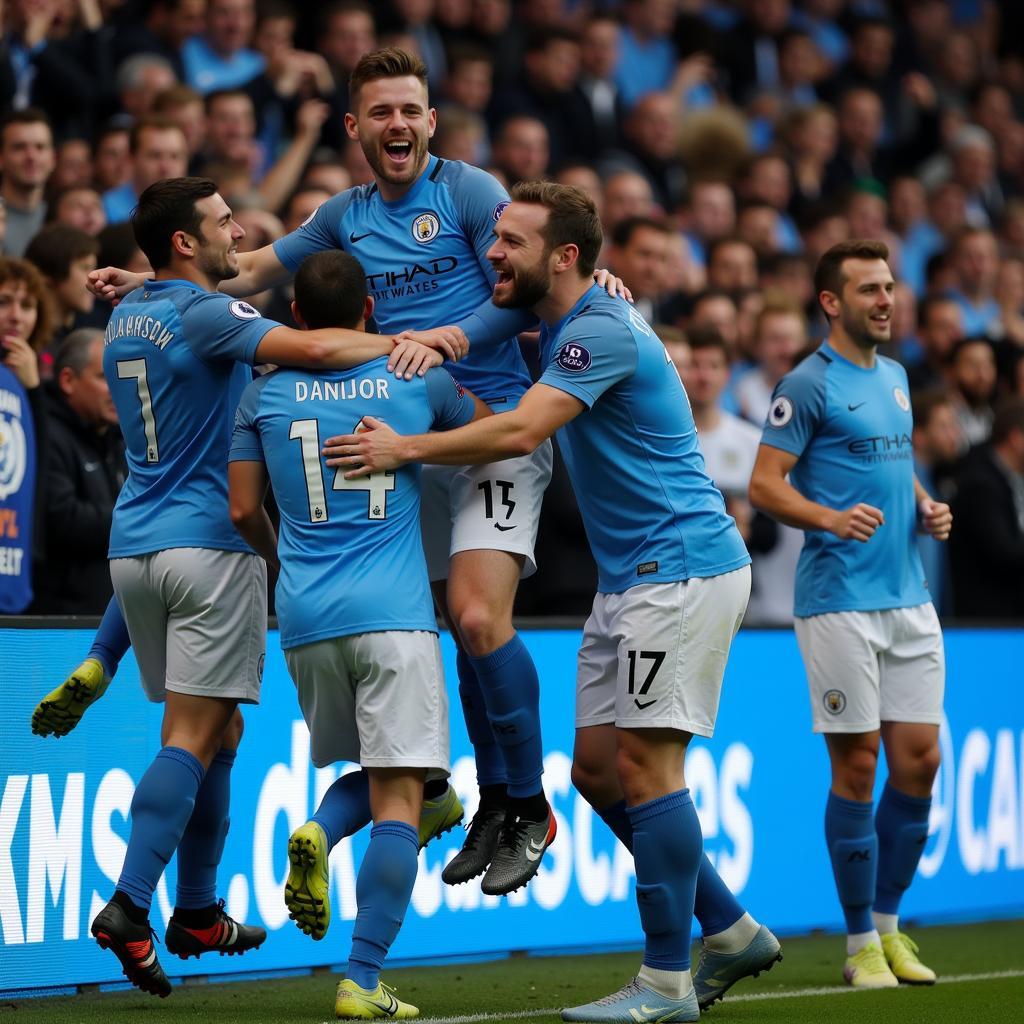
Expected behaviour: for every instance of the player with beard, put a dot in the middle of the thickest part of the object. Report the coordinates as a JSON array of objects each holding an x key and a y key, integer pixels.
[
  {"x": 193, "y": 593},
  {"x": 673, "y": 584},
  {"x": 421, "y": 232},
  {"x": 836, "y": 461}
]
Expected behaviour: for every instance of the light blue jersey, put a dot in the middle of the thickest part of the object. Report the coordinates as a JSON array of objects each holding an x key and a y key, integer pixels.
[
  {"x": 351, "y": 555},
  {"x": 850, "y": 429},
  {"x": 651, "y": 512},
  {"x": 174, "y": 358},
  {"x": 425, "y": 262}
]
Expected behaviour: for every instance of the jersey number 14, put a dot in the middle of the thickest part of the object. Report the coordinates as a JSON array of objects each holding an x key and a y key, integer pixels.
[{"x": 307, "y": 432}]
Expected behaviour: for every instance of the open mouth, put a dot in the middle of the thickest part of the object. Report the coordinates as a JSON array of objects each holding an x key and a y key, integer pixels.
[{"x": 398, "y": 150}]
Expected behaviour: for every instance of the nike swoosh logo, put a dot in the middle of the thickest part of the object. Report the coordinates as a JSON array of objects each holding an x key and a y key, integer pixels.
[
  {"x": 644, "y": 1008},
  {"x": 854, "y": 408},
  {"x": 504, "y": 529},
  {"x": 533, "y": 851},
  {"x": 641, "y": 704},
  {"x": 388, "y": 1009},
  {"x": 648, "y": 1012},
  {"x": 353, "y": 237}
]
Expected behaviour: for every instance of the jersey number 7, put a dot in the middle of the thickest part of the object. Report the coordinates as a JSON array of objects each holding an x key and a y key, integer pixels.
[{"x": 307, "y": 432}]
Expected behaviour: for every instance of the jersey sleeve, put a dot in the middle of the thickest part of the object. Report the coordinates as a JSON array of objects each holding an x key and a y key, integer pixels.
[
  {"x": 246, "y": 445},
  {"x": 450, "y": 403},
  {"x": 480, "y": 200},
  {"x": 319, "y": 232},
  {"x": 594, "y": 353},
  {"x": 796, "y": 412},
  {"x": 219, "y": 328}
]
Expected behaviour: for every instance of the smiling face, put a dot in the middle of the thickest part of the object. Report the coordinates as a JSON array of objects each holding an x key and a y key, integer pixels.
[
  {"x": 521, "y": 257},
  {"x": 393, "y": 124},
  {"x": 217, "y": 252},
  {"x": 865, "y": 305}
]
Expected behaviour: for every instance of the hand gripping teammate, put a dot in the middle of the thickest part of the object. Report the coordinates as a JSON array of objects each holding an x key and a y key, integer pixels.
[
  {"x": 836, "y": 460},
  {"x": 673, "y": 584}
]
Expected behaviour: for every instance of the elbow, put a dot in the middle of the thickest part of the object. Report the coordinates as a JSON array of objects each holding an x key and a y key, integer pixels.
[
  {"x": 241, "y": 513},
  {"x": 315, "y": 353},
  {"x": 756, "y": 493},
  {"x": 523, "y": 442}
]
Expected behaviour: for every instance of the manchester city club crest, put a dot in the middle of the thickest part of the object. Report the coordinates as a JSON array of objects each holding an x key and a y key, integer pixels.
[
  {"x": 425, "y": 227},
  {"x": 12, "y": 455},
  {"x": 835, "y": 702},
  {"x": 901, "y": 398}
]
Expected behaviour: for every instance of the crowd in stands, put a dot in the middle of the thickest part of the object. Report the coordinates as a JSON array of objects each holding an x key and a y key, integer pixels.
[{"x": 727, "y": 145}]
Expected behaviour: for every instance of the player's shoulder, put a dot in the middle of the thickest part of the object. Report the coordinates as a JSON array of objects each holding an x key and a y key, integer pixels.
[
  {"x": 893, "y": 367},
  {"x": 810, "y": 374},
  {"x": 470, "y": 181}
]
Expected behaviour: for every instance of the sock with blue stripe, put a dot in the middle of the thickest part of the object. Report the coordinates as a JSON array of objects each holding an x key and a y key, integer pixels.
[
  {"x": 667, "y": 849},
  {"x": 383, "y": 890},
  {"x": 490, "y": 764},
  {"x": 202, "y": 843},
  {"x": 853, "y": 849},
  {"x": 901, "y": 824},
  {"x": 111, "y": 642},
  {"x": 511, "y": 692},
  {"x": 345, "y": 807},
  {"x": 162, "y": 805}
]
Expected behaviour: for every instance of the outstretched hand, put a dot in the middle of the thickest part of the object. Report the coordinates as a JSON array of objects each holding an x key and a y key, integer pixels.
[{"x": 373, "y": 448}]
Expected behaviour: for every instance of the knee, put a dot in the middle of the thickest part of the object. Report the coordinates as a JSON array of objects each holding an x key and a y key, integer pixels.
[
  {"x": 920, "y": 766},
  {"x": 479, "y": 627},
  {"x": 593, "y": 780},
  {"x": 855, "y": 773}
]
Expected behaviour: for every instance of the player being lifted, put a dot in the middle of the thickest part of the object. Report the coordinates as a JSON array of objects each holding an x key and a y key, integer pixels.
[
  {"x": 673, "y": 584},
  {"x": 193, "y": 592},
  {"x": 421, "y": 232},
  {"x": 836, "y": 461},
  {"x": 355, "y": 611}
]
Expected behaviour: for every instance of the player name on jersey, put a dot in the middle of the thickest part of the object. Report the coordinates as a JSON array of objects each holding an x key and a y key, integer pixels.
[
  {"x": 341, "y": 390},
  {"x": 138, "y": 326}
]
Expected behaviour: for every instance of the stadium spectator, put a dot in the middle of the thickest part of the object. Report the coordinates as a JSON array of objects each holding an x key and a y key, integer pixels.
[
  {"x": 639, "y": 255},
  {"x": 860, "y": 135},
  {"x": 79, "y": 207},
  {"x": 469, "y": 83},
  {"x": 140, "y": 79},
  {"x": 65, "y": 256},
  {"x": 975, "y": 260},
  {"x": 987, "y": 554},
  {"x": 647, "y": 58},
  {"x": 732, "y": 264},
  {"x": 112, "y": 156},
  {"x": 811, "y": 136},
  {"x": 221, "y": 57},
  {"x": 972, "y": 376},
  {"x": 73, "y": 166},
  {"x": 709, "y": 213},
  {"x": 27, "y": 159},
  {"x": 939, "y": 328},
  {"x": 598, "y": 105},
  {"x": 521, "y": 149},
  {"x": 750, "y": 50},
  {"x": 85, "y": 469},
  {"x": 938, "y": 441},
  {"x": 626, "y": 194},
  {"x": 346, "y": 32},
  {"x": 163, "y": 30},
  {"x": 158, "y": 150},
  {"x": 24, "y": 330},
  {"x": 715, "y": 307},
  {"x": 187, "y": 109}
]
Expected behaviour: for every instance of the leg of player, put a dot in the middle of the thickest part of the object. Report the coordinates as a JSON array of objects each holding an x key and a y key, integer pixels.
[
  {"x": 491, "y": 775},
  {"x": 667, "y": 847},
  {"x": 383, "y": 890},
  {"x": 481, "y": 591},
  {"x": 200, "y": 923},
  {"x": 853, "y": 850},
  {"x": 193, "y": 732},
  {"x": 735, "y": 945},
  {"x": 60, "y": 711},
  {"x": 901, "y": 823}
]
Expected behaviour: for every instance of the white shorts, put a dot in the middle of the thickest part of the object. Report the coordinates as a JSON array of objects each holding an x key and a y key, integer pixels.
[
  {"x": 483, "y": 508},
  {"x": 654, "y": 656},
  {"x": 197, "y": 619},
  {"x": 865, "y": 668},
  {"x": 376, "y": 699}
]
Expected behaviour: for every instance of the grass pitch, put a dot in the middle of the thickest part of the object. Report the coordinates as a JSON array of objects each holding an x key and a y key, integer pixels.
[{"x": 981, "y": 970}]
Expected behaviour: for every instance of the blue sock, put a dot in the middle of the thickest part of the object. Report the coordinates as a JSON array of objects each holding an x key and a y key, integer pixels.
[
  {"x": 668, "y": 846},
  {"x": 853, "y": 848},
  {"x": 901, "y": 824},
  {"x": 111, "y": 642},
  {"x": 714, "y": 904},
  {"x": 383, "y": 890},
  {"x": 616, "y": 818},
  {"x": 161, "y": 807},
  {"x": 490, "y": 764},
  {"x": 345, "y": 808},
  {"x": 508, "y": 681},
  {"x": 202, "y": 842}
]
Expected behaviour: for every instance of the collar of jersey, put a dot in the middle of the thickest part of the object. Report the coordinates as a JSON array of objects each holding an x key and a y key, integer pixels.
[
  {"x": 554, "y": 329},
  {"x": 417, "y": 186},
  {"x": 152, "y": 284},
  {"x": 840, "y": 358}
]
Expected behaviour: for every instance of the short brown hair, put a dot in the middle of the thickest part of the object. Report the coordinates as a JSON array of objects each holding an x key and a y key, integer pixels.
[
  {"x": 828, "y": 275},
  {"x": 389, "y": 62},
  {"x": 924, "y": 403},
  {"x": 572, "y": 218},
  {"x": 156, "y": 122},
  {"x": 56, "y": 246},
  {"x": 1009, "y": 417},
  {"x": 778, "y": 304},
  {"x": 22, "y": 271},
  {"x": 174, "y": 98}
]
